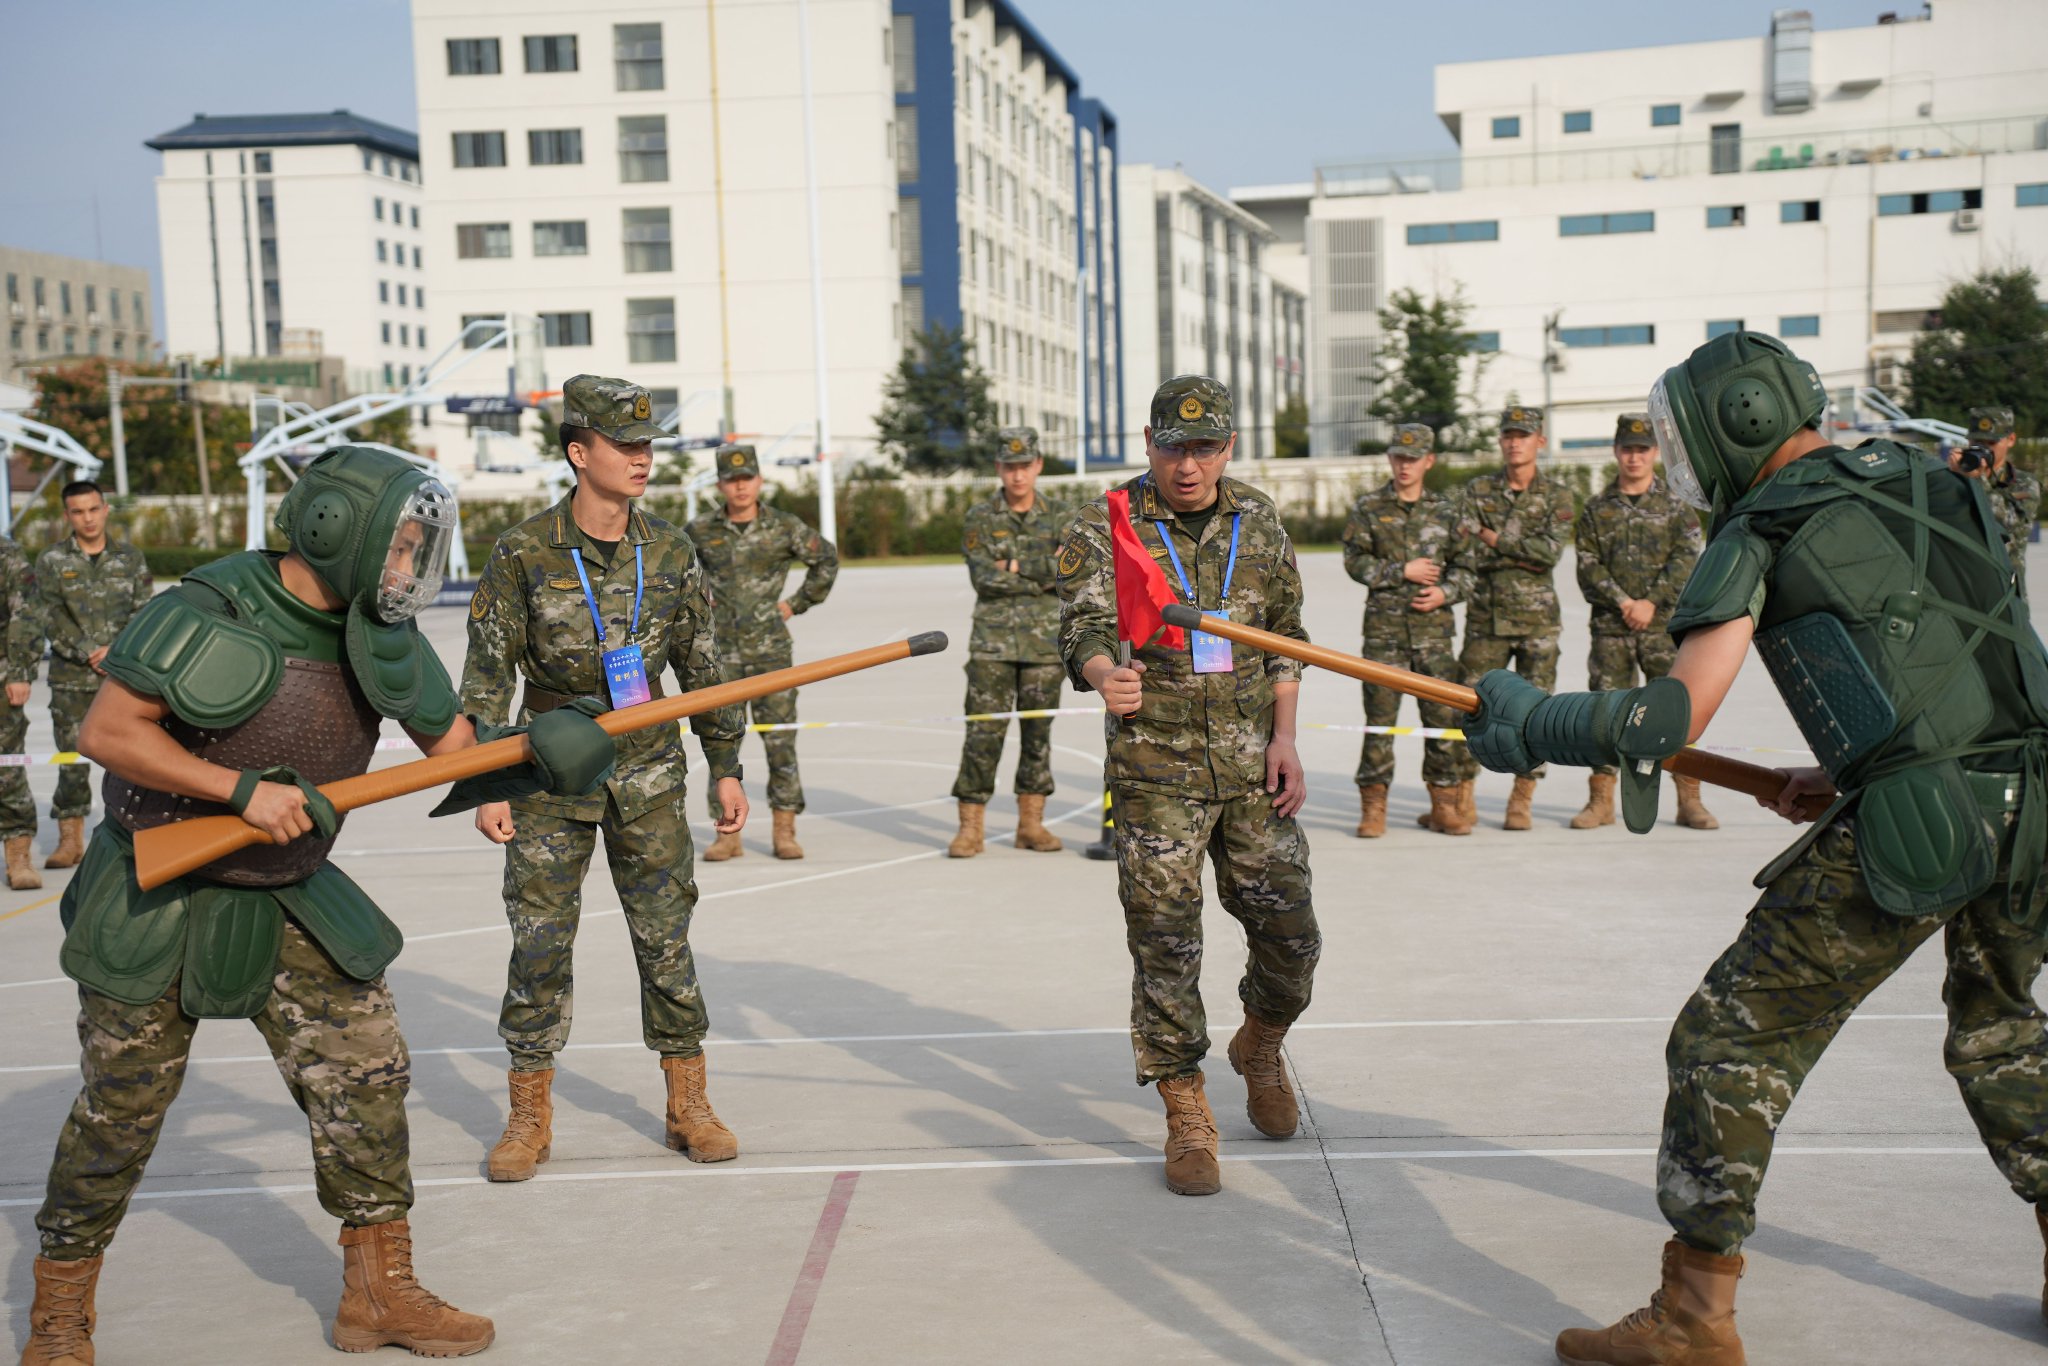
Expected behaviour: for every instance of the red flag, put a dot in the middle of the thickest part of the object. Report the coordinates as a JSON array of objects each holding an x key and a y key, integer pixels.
[{"x": 1141, "y": 586}]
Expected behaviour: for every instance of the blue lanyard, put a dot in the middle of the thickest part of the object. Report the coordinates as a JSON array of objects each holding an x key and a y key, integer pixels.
[
  {"x": 1229, "y": 570},
  {"x": 639, "y": 587}
]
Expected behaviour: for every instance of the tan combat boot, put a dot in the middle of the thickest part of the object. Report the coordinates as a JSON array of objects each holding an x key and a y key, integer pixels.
[
  {"x": 1268, "y": 1095},
  {"x": 1191, "y": 1166},
  {"x": 1690, "y": 1320},
  {"x": 1517, "y": 817},
  {"x": 1692, "y": 813},
  {"x": 529, "y": 1136},
  {"x": 70, "y": 843},
  {"x": 1468, "y": 802},
  {"x": 1372, "y": 811},
  {"x": 968, "y": 842},
  {"x": 1031, "y": 831},
  {"x": 61, "y": 1320},
  {"x": 383, "y": 1306},
  {"x": 692, "y": 1129},
  {"x": 785, "y": 836},
  {"x": 21, "y": 864},
  {"x": 1446, "y": 814},
  {"x": 724, "y": 847},
  {"x": 1599, "y": 807}
]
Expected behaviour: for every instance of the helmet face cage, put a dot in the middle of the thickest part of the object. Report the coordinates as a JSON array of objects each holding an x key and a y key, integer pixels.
[
  {"x": 416, "y": 557},
  {"x": 1678, "y": 467}
]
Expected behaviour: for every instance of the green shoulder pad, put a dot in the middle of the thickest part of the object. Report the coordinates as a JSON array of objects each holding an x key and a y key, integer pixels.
[
  {"x": 385, "y": 659},
  {"x": 438, "y": 705},
  {"x": 1727, "y": 583},
  {"x": 182, "y": 647}
]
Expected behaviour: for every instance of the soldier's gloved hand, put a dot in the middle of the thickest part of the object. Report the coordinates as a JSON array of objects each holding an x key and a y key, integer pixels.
[
  {"x": 283, "y": 805},
  {"x": 571, "y": 752},
  {"x": 1498, "y": 736}
]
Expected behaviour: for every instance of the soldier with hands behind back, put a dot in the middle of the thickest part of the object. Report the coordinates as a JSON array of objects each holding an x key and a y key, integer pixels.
[{"x": 23, "y": 654}]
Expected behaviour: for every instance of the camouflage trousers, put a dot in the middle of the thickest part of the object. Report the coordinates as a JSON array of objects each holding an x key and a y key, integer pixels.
[
  {"x": 1262, "y": 879},
  {"x": 1813, "y": 948},
  {"x": 1533, "y": 657},
  {"x": 337, "y": 1045},
  {"x": 1444, "y": 762},
  {"x": 74, "y": 781},
  {"x": 1617, "y": 661},
  {"x": 785, "y": 787},
  {"x": 1002, "y": 685},
  {"x": 17, "y": 807},
  {"x": 651, "y": 867}
]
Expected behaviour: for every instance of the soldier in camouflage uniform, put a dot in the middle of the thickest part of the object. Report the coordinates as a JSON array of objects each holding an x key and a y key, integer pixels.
[
  {"x": 2015, "y": 494},
  {"x": 1202, "y": 762},
  {"x": 1398, "y": 542},
  {"x": 1515, "y": 524},
  {"x": 533, "y": 616},
  {"x": 1011, "y": 542},
  {"x": 746, "y": 549},
  {"x": 24, "y": 652},
  {"x": 1637, "y": 545},
  {"x": 91, "y": 585}
]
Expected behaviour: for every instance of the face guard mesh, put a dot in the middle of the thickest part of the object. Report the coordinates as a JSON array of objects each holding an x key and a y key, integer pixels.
[
  {"x": 416, "y": 561},
  {"x": 1678, "y": 470}
]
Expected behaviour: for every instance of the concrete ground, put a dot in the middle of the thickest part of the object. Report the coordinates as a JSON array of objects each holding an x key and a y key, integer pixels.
[{"x": 945, "y": 1158}]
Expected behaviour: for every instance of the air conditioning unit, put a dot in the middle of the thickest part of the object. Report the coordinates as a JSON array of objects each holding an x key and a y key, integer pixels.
[{"x": 1969, "y": 220}]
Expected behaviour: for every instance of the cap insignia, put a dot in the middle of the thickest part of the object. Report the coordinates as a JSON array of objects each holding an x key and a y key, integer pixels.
[{"x": 1190, "y": 409}]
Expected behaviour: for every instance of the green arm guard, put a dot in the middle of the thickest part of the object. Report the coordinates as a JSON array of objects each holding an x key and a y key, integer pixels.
[
  {"x": 1519, "y": 727},
  {"x": 571, "y": 756},
  {"x": 1728, "y": 581},
  {"x": 211, "y": 670}
]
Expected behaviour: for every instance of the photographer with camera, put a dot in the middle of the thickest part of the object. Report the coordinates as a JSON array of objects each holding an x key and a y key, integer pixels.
[{"x": 2015, "y": 494}]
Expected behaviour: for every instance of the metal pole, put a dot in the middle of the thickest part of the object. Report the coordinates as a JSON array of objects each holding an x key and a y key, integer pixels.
[
  {"x": 120, "y": 433},
  {"x": 206, "y": 538},
  {"x": 1081, "y": 369},
  {"x": 6, "y": 488},
  {"x": 718, "y": 205},
  {"x": 828, "y": 513}
]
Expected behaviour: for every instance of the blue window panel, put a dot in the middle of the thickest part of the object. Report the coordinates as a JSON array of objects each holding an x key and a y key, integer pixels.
[
  {"x": 1799, "y": 325},
  {"x": 1424, "y": 234},
  {"x": 1475, "y": 232},
  {"x": 1637, "y": 334},
  {"x": 1799, "y": 211},
  {"x": 1582, "y": 336},
  {"x": 1663, "y": 115},
  {"x": 1510, "y": 127},
  {"x": 1892, "y": 205},
  {"x": 1724, "y": 216},
  {"x": 1578, "y": 121},
  {"x": 1586, "y": 443},
  {"x": 1948, "y": 201},
  {"x": 1482, "y": 341},
  {"x": 1721, "y": 327},
  {"x": 2030, "y": 196},
  {"x": 1645, "y": 221},
  {"x": 1582, "y": 225}
]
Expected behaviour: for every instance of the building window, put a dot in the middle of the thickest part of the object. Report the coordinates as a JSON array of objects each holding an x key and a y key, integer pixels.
[
  {"x": 903, "y": 52},
  {"x": 419, "y": 296},
  {"x": 1721, "y": 327},
  {"x": 562, "y": 237},
  {"x": 906, "y": 145},
  {"x": 406, "y": 173},
  {"x": 1663, "y": 116},
  {"x": 1604, "y": 224},
  {"x": 64, "y": 297},
  {"x": 92, "y": 299},
  {"x": 377, "y": 208},
  {"x": 13, "y": 288},
  {"x": 420, "y": 335},
  {"x": 113, "y": 300},
  {"x": 401, "y": 296},
  {"x": 1487, "y": 342},
  {"x": 389, "y": 169},
  {"x": 1578, "y": 121},
  {"x": 1631, "y": 334},
  {"x": 37, "y": 287},
  {"x": 70, "y": 342},
  {"x": 1938, "y": 201},
  {"x": 643, "y": 148},
  {"x": 565, "y": 329},
  {"x": 479, "y": 149},
  {"x": 471, "y": 57},
  {"x": 387, "y": 332},
  {"x": 2030, "y": 196},
  {"x": 416, "y": 259},
  {"x": 1509, "y": 127},
  {"x": 551, "y": 52},
  {"x": 1725, "y": 148},
  {"x": 383, "y": 291},
  {"x": 483, "y": 239},
  {"x": 138, "y": 309},
  {"x": 472, "y": 340},
  {"x": 1427, "y": 234},
  {"x": 262, "y": 163},
  {"x": 636, "y": 56},
  {"x": 381, "y": 254},
  {"x": 650, "y": 329},
  {"x": 1799, "y": 211},
  {"x": 1907, "y": 320},
  {"x": 415, "y": 217},
  {"x": 910, "y": 236},
  {"x": 118, "y": 339},
  {"x": 554, "y": 147},
  {"x": 1799, "y": 325},
  {"x": 645, "y": 233},
  {"x": 1724, "y": 216}
]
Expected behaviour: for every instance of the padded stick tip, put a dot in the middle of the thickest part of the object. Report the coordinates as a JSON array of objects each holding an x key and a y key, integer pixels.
[
  {"x": 927, "y": 642},
  {"x": 1181, "y": 615}
]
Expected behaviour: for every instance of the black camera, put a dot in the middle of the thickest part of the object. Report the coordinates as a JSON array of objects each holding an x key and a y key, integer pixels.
[{"x": 1974, "y": 459}]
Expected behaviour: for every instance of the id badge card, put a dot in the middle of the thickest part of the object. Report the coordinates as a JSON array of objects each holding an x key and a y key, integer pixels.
[
  {"x": 1212, "y": 653},
  {"x": 625, "y": 674}
]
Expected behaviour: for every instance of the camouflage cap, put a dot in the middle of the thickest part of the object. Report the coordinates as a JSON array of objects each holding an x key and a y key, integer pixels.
[
  {"x": 1633, "y": 429},
  {"x": 1191, "y": 408},
  {"x": 1016, "y": 445},
  {"x": 617, "y": 409},
  {"x": 1991, "y": 424},
  {"x": 1522, "y": 419},
  {"x": 737, "y": 461},
  {"x": 1412, "y": 439}
]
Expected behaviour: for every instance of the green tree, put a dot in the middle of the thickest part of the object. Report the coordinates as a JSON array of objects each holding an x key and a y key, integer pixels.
[
  {"x": 1427, "y": 371},
  {"x": 1290, "y": 430},
  {"x": 1991, "y": 347},
  {"x": 157, "y": 428},
  {"x": 936, "y": 414}
]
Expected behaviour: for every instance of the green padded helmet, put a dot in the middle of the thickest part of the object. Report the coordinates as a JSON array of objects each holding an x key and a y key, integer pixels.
[
  {"x": 1726, "y": 410},
  {"x": 374, "y": 526}
]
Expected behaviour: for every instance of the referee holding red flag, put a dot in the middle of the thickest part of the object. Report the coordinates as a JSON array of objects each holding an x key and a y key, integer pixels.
[{"x": 1202, "y": 761}]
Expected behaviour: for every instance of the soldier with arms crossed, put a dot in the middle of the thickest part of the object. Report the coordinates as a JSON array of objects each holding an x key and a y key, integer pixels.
[
  {"x": 1203, "y": 763},
  {"x": 1874, "y": 584}
]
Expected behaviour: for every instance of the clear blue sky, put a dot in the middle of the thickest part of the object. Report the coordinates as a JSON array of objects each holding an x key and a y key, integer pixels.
[{"x": 1284, "y": 84}]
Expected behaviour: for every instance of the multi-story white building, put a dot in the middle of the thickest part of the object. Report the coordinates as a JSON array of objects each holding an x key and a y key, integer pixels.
[
  {"x": 1200, "y": 299},
  {"x": 58, "y": 307},
  {"x": 301, "y": 222},
  {"x": 636, "y": 177},
  {"x": 1823, "y": 186}
]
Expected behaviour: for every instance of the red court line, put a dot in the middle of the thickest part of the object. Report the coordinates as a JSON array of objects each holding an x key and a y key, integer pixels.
[{"x": 796, "y": 1315}]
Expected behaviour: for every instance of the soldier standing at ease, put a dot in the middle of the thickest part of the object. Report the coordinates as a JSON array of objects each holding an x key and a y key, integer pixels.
[
  {"x": 593, "y": 599},
  {"x": 2015, "y": 494},
  {"x": 1397, "y": 543},
  {"x": 1202, "y": 763},
  {"x": 1011, "y": 542},
  {"x": 746, "y": 549},
  {"x": 91, "y": 585},
  {"x": 1516, "y": 522},
  {"x": 1637, "y": 545},
  {"x": 23, "y": 653}
]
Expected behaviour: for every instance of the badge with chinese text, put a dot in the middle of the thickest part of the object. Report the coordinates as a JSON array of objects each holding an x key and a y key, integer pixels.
[{"x": 625, "y": 676}]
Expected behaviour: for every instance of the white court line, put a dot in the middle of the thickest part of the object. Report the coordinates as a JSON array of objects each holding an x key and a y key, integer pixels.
[
  {"x": 698, "y": 1172},
  {"x": 956, "y": 1036}
]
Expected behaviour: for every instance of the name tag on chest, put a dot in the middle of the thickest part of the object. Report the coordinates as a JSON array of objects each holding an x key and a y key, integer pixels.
[
  {"x": 1211, "y": 652},
  {"x": 625, "y": 676}
]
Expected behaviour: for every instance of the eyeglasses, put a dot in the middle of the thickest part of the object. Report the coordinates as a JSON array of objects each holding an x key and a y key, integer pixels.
[{"x": 1203, "y": 453}]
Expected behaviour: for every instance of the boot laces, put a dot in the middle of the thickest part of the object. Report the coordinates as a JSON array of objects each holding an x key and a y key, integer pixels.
[
  {"x": 525, "y": 1119},
  {"x": 1189, "y": 1126},
  {"x": 1651, "y": 1316},
  {"x": 399, "y": 1281},
  {"x": 63, "y": 1330},
  {"x": 1262, "y": 1062},
  {"x": 694, "y": 1102}
]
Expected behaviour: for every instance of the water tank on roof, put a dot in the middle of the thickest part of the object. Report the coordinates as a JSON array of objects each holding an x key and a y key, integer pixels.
[{"x": 1791, "y": 61}]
